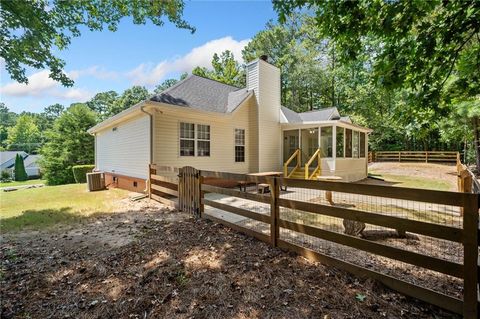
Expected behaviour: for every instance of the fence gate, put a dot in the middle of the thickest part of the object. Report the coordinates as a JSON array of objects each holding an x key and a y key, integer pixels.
[{"x": 189, "y": 190}]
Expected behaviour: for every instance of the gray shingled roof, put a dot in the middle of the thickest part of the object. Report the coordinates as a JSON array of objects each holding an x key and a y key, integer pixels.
[
  {"x": 311, "y": 116},
  {"x": 6, "y": 156},
  {"x": 203, "y": 94}
]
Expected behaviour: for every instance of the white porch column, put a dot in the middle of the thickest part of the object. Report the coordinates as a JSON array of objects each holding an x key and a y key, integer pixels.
[{"x": 334, "y": 142}]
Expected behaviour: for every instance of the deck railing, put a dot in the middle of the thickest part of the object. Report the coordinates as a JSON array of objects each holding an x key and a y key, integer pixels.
[
  {"x": 316, "y": 156},
  {"x": 296, "y": 155}
]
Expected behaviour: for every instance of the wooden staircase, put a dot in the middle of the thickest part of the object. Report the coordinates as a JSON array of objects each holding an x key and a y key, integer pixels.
[
  {"x": 304, "y": 172},
  {"x": 300, "y": 174}
]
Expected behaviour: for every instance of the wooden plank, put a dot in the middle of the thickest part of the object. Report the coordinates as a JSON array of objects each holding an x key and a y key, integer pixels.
[
  {"x": 424, "y": 294},
  {"x": 165, "y": 190},
  {"x": 237, "y": 210},
  {"x": 167, "y": 179},
  {"x": 413, "y": 194},
  {"x": 470, "y": 258},
  {"x": 165, "y": 201},
  {"x": 236, "y": 177},
  {"x": 235, "y": 193},
  {"x": 418, "y": 227},
  {"x": 428, "y": 262},
  {"x": 274, "y": 212},
  {"x": 163, "y": 168},
  {"x": 246, "y": 231}
]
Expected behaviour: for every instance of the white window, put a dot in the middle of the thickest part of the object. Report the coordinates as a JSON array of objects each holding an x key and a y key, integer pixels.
[
  {"x": 239, "y": 145},
  {"x": 194, "y": 139},
  {"x": 203, "y": 140},
  {"x": 187, "y": 139}
]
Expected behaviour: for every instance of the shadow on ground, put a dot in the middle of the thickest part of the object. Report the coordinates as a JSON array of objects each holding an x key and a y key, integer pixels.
[{"x": 182, "y": 268}]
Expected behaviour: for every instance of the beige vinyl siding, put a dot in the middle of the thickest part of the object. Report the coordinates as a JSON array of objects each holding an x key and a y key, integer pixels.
[
  {"x": 222, "y": 138},
  {"x": 264, "y": 79},
  {"x": 124, "y": 151}
]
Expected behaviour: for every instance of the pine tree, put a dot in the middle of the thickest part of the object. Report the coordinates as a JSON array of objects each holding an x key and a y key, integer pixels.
[{"x": 20, "y": 172}]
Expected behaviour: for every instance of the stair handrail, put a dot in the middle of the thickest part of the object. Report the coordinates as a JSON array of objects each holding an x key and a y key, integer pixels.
[
  {"x": 315, "y": 155},
  {"x": 295, "y": 154}
]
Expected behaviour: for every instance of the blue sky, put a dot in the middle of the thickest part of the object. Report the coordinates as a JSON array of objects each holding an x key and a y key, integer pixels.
[{"x": 140, "y": 54}]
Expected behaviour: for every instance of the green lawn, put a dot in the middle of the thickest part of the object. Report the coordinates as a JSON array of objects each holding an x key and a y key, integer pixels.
[
  {"x": 42, "y": 207},
  {"x": 413, "y": 181},
  {"x": 29, "y": 182}
]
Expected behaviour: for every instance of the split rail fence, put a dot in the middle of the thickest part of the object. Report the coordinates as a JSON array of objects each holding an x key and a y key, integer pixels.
[
  {"x": 414, "y": 156},
  {"x": 439, "y": 251}
]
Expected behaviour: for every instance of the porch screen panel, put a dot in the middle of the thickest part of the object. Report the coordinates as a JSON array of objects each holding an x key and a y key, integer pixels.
[
  {"x": 356, "y": 146},
  {"x": 362, "y": 145},
  {"x": 340, "y": 141},
  {"x": 326, "y": 141},
  {"x": 348, "y": 143}
]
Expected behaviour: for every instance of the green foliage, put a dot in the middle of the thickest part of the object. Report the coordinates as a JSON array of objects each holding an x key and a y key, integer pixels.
[
  {"x": 129, "y": 98},
  {"x": 25, "y": 135},
  {"x": 80, "y": 171},
  {"x": 421, "y": 40},
  {"x": 68, "y": 144},
  {"x": 48, "y": 26},
  {"x": 225, "y": 69},
  {"x": 5, "y": 176},
  {"x": 20, "y": 172},
  {"x": 7, "y": 120},
  {"x": 168, "y": 83}
]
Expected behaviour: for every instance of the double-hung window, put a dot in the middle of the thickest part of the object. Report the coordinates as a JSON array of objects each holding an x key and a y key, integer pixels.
[
  {"x": 194, "y": 139},
  {"x": 239, "y": 145},
  {"x": 203, "y": 140},
  {"x": 187, "y": 139}
]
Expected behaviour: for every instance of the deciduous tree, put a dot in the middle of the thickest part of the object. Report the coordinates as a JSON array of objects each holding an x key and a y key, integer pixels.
[{"x": 33, "y": 30}]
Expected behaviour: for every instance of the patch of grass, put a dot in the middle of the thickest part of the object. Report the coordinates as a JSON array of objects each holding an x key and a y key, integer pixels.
[
  {"x": 413, "y": 181},
  {"x": 29, "y": 182},
  {"x": 42, "y": 207}
]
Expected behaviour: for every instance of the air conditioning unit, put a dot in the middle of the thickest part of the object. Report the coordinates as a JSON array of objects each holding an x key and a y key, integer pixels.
[{"x": 95, "y": 181}]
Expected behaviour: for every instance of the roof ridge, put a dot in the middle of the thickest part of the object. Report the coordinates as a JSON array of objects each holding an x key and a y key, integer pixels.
[
  {"x": 173, "y": 86},
  {"x": 323, "y": 109},
  {"x": 204, "y": 77}
]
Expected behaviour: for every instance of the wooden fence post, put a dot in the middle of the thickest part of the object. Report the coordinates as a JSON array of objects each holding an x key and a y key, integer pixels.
[
  {"x": 151, "y": 170},
  {"x": 470, "y": 257},
  {"x": 202, "y": 194},
  {"x": 274, "y": 211}
]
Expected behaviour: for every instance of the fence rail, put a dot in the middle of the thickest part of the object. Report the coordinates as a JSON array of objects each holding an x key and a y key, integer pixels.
[
  {"x": 414, "y": 156},
  {"x": 301, "y": 224}
]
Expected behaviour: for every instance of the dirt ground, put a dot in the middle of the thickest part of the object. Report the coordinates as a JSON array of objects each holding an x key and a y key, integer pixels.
[
  {"x": 152, "y": 262},
  {"x": 444, "y": 172}
]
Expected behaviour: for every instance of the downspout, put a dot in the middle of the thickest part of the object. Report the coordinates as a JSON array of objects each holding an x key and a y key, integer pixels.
[{"x": 150, "y": 116}]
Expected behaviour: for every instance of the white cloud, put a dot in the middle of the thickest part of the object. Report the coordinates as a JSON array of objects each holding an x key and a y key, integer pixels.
[
  {"x": 151, "y": 74},
  {"x": 95, "y": 71},
  {"x": 41, "y": 85}
]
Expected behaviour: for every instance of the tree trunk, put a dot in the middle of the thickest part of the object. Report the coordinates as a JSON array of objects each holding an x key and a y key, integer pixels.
[{"x": 476, "y": 145}]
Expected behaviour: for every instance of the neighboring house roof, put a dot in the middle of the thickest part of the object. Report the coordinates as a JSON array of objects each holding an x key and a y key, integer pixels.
[
  {"x": 203, "y": 94},
  {"x": 31, "y": 160},
  {"x": 7, "y": 158}
]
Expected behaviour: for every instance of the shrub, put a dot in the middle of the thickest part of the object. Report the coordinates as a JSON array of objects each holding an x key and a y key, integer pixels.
[
  {"x": 5, "y": 176},
  {"x": 80, "y": 171},
  {"x": 20, "y": 172}
]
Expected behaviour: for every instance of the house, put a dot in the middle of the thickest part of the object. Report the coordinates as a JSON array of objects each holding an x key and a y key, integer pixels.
[
  {"x": 7, "y": 162},
  {"x": 206, "y": 124}
]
